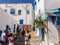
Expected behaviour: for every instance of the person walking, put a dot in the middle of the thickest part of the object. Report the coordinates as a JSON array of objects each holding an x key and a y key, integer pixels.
[
  {"x": 9, "y": 31},
  {"x": 11, "y": 39},
  {"x": 27, "y": 38},
  {"x": 3, "y": 37}
]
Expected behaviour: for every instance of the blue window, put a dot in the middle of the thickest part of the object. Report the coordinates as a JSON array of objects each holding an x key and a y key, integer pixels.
[
  {"x": 12, "y": 11},
  {"x": 21, "y": 21},
  {"x": 7, "y": 27},
  {"x": 19, "y": 12},
  {"x": 28, "y": 12},
  {"x": 14, "y": 27}
]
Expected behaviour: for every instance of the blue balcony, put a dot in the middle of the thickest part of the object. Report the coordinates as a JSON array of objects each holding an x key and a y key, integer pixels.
[{"x": 56, "y": 17}]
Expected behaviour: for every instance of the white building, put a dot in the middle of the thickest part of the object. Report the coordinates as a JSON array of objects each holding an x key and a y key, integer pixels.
[
  {"x": 41, "y": 7},
  {"x": 22, "y": 13},
  {"x": 6, "y": 20}
]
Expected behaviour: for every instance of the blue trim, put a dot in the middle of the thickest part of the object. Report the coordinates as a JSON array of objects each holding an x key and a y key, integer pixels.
[
  {"x": 16, "y": 1},
  {"x": 55, "y": 11},
  {"x": 54, "y": 19}
]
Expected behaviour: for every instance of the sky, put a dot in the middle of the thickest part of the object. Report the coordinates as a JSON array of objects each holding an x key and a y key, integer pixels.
[{"x": 17, "y": 1}]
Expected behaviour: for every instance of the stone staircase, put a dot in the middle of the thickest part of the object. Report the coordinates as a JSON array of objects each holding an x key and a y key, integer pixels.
[
  {"x": 20, "y": 40},
  {"x": 34, "y": 39}
]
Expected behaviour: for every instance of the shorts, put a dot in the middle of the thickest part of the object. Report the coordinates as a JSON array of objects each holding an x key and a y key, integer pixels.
[{"x": 27, "y": 42}]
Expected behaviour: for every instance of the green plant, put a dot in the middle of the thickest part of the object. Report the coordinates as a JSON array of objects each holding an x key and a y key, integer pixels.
[{"x": 39, "y": 22}]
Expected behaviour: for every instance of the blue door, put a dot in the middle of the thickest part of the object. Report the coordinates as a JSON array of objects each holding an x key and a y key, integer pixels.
[
  {"x": 14, "y": 28},
  {"x": 41, "y": 34},
  {"x": 21, "y": 21}
]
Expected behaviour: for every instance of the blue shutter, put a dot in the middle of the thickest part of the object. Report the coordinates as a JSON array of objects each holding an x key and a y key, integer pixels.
[
  {"x": 21, "y": 21},
  {"x": 14, "y": 27},
  {"x": 12, "y": 11},
  {"x": 19, "y": 12},
  {"x": 7, "y": 27}
]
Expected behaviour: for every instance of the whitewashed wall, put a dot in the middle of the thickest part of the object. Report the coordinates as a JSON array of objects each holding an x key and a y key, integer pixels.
[
  {"x": 40, "y": 6},
  {"x": 6, "y": 19},
  {"x": 28, "y": 19},
  {"x": 52, "y": 33}
]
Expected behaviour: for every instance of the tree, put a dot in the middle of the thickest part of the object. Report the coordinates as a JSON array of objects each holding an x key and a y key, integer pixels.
[
  {"x": 40, "y": 25},
  {"x": 39, "y": 22}
]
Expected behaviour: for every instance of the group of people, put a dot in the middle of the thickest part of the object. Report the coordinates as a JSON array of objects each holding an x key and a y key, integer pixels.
[
  {"x": 27, "y": 38},
  {"x": 8, "y": 38}
]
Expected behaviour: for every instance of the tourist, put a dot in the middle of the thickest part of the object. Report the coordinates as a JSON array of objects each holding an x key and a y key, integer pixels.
[
  {"x": 9, "y": 31},
  {"x": 23, "y": 32},
  {"x": 27, "y": 38},
  {"x": 11, "y": 39},
  {"x": 3, "y": 37}
]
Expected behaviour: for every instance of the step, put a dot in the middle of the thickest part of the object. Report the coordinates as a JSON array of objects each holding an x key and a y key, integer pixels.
[
  {"x": 19, "y": 43},
  {"x": 34, "y": 38}
]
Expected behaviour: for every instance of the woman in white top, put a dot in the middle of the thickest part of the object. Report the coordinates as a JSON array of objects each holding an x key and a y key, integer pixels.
[{"x": 3, "y": 38}]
